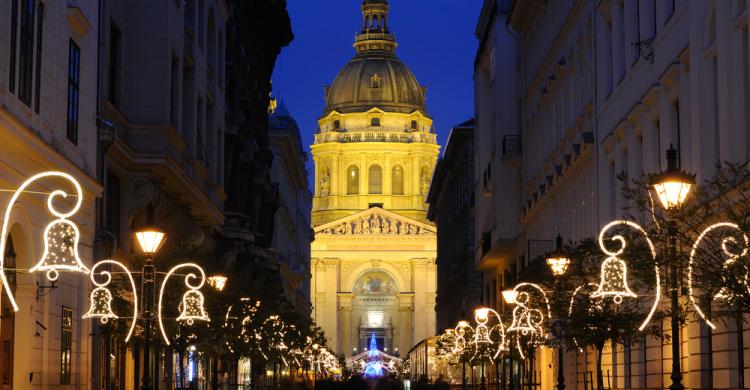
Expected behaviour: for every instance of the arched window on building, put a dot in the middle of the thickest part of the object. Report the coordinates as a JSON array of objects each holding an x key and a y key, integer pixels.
[
  {"x": 397, "y": 180},
  {"x": 352, "y": 180},
  {"x": 375, "y": 179}
]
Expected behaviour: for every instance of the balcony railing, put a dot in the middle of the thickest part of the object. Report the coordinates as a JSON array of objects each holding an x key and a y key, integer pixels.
[
  {"x": 512, "y": 145},
  {"x": 368, "y": 136}
]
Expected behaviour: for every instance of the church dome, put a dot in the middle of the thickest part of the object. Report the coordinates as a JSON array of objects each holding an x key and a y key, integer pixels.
[{"x": 375, "y": 77}]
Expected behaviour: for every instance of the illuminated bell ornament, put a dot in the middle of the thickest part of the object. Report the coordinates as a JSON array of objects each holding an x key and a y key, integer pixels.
[
  {"x": 192, "y": 307},
  {"x": 614, "y": 280},
  {"x": 101, "y": 305},
  {"x": 61, "y": 239},
  {"x": 525, "y": 320}
]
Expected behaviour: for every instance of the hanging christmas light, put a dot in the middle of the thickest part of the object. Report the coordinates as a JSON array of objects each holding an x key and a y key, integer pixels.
[
  {"x": 61, "y": 239},
  {"x": 191, "y": 308},
  {"x": 75, "y": 264},
  {"x": 483, "y": 332},
  {"x": 101, "y": 296},
  {"x": 731, "y": 259}
]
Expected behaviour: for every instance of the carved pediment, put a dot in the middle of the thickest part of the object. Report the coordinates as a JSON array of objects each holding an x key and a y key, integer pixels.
[{"x": 376, "y": 221}]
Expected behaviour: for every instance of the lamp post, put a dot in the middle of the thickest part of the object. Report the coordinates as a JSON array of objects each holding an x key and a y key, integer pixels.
[
  {"x": 672, "y": 187},
  {"x": 482, "y": 335},
  {"x": 509, "y": 296},
  {"x": 558, "y": 263},
  {"x": 150, "y": 239},
  {"x": 460, "y": 331}
]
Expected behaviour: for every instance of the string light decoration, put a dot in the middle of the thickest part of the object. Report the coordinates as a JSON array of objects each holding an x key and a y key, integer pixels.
[
  {"x": 614, "y": 270},
  {"x": 191, "y": 308},
  {"x": 483, "y": 333},
  {"x": 527, "y": 320},
  {"x": 71, "y": 263},
  {"x": 101, "y": 296},
  {"x": 731, "y": 258}
]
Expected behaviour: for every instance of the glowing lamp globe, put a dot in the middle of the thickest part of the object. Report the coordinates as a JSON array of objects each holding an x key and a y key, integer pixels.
[
  {"x": 510, "y": 296},
  {"x": 557, "y": 260},
  {"x": 217, "y": 282},
  {"x": 481, "y": 314},
  {"x": 673, "y": 185},
  {"x": 150, "y": 238}
]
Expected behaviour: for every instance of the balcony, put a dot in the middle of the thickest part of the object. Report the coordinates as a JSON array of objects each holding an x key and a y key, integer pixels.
[{"x": 373, "y": 136}]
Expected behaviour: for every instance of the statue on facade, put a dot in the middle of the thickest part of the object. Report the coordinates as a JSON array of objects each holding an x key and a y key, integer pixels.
[
  {"x": 376, "y": 226},
  {"x": 425, "y": 183},
  {"x": 325, "y": 184}
]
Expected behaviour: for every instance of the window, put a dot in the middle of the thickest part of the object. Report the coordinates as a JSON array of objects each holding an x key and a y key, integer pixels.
[
  {"x": 13, "y": 38},
  {"x": 397, "y": 180},
  {"x": 113, "y": 197},
  {"x": 66, "y": 342},
  {"x": 352, "y": 180},
  {"x": 375, "y": 178},
  {"x": 336, "y": 124},
  {"x": 27, "y": 51},
  {"x": 74, "y": 63},
  {"x": 115, "y": 42},
  {"x": 38, "y": 68},
  {"x": 413, "y": 125},
  {"x": 375, "y": 122}
]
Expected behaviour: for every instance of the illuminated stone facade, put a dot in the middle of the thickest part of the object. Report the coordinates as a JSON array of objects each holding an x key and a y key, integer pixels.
[{"x": 373, "y": 268}]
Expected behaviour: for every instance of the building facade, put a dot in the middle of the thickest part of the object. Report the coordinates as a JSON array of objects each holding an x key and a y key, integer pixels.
[
  {"x": 374, "y": 156},
  {"x": 292, "y": 234},
  {"x": 595, "y": 89},
  {"x": 451, "y": 208},
  {"x": 48, "y": 61}
]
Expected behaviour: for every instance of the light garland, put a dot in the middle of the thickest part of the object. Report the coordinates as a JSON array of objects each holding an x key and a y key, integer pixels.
[
  {"x": 482, "y": 332},
  {"x": 101, "y": 296},
  {"x": 614, "y": 271},
  {"x": 52, "y": 269},
  {"x": 191, "y": 308},
  {"x": 731, "y": 258}
]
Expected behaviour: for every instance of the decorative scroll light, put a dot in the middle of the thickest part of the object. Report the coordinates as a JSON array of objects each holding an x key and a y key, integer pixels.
[
  {"x": 732, "y": 258},
  {"x": 101, "y": 296},
  {"x": 69, "y": 261},
  {"x": 191, "y": 308},
  {"x": 614, "y": 270},
  {"x": 460, "y": 332},
  {"x": 526, "y": 320}
]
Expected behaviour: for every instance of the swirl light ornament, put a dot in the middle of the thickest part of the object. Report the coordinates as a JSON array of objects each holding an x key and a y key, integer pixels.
[
  {"x": 731, "y": 258},
  {"x": 101, "y": 296},
  {"x": 614, "y": 270},
  {"x": 191, "y": 308},
  {"x": 527, "y": 320},
  {"x": 69, "y": 260}
]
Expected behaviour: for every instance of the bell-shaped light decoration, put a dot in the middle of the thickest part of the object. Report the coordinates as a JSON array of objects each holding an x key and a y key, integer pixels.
[
  {"x": 614, "y": 280},
  {"x": 61, "y": 239},
  {"x": 673, "y": 185},
  {"x": 526, "y": 320},
  {"x": 101, "y": 305},
  {"x": 191, "y": 308}
]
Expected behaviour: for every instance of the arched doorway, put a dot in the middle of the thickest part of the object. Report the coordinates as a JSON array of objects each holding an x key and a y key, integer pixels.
[
  {"x": 7, "y": 319},
  {"x": 375, "y": 304}
]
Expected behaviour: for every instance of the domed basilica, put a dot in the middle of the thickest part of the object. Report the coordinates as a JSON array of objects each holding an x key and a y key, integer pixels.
[{"x": 374, "y": 251}]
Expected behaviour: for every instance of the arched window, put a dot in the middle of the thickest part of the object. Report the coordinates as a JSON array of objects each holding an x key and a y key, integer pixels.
[
  {"x": 397, "y": 180},
  {"x": 413, "y": 125},
  {"x": 336, "y": 124},
  {"x": 375, "y": 122},
  {"x": 352, "y": 180},
  {"x": 375, "y": 179}
]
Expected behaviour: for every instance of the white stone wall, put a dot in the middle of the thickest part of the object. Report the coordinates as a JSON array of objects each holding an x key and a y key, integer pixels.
[{"x": 583, "y": 79}]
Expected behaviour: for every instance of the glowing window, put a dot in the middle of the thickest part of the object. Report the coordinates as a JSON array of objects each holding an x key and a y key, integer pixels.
[
  {"x": 352, "y": 180},
  {"x": 376, "y": 179}
]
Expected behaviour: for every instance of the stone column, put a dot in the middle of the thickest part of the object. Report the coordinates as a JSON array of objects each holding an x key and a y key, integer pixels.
[
  {"x": 406, "y": 314},
  {"x": 344, "y": 342}
]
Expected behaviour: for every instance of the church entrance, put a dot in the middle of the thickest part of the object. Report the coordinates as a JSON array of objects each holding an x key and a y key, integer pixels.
[{"x": 376, "y": 306}]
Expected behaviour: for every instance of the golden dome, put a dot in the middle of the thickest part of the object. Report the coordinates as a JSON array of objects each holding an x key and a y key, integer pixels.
[{"x": 375, "y": 77}]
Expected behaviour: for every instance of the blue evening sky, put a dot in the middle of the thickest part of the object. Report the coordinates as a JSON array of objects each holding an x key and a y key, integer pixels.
[{"x": 436, "y": 40}]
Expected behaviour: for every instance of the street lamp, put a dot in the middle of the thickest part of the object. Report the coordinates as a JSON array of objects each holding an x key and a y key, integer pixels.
[
  {"x": 482, "y": 335},
  {"x": 150, "y": 238},
  {"x": 673, "y": 186},
  {"x": 510, "y": 298},
  {"x": 558, "y": 263},
  {"x": 460, "y": 346},
  {"x": 217, "y": 282}
]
